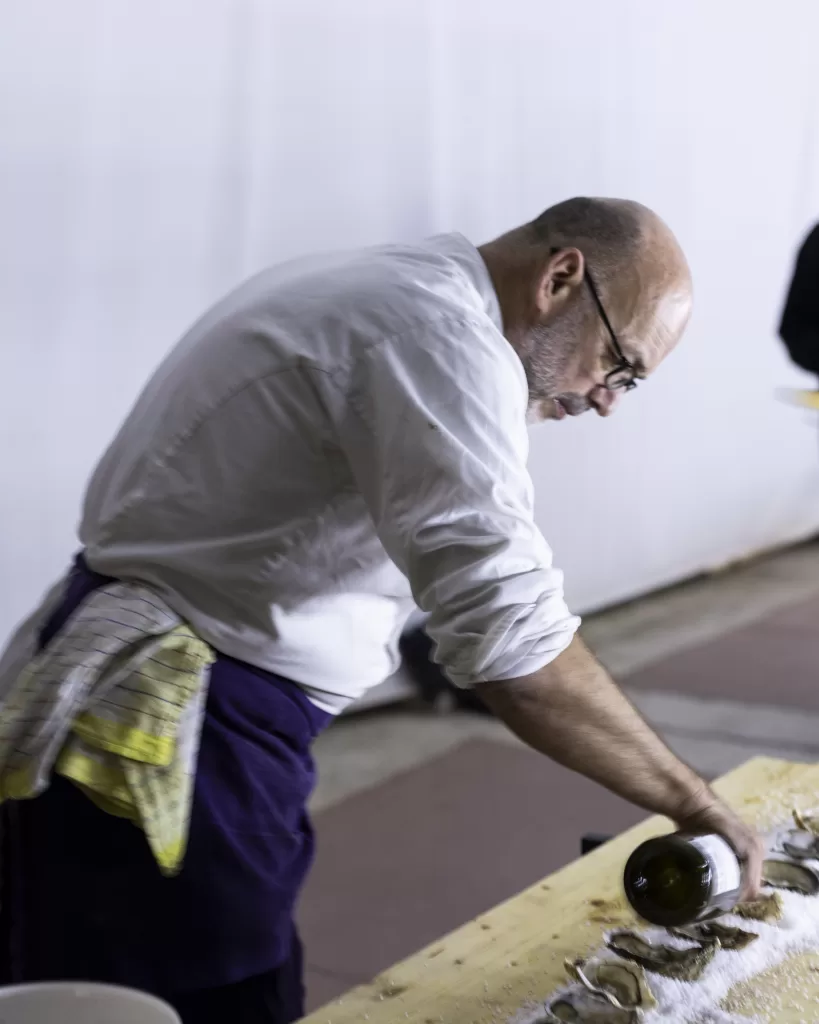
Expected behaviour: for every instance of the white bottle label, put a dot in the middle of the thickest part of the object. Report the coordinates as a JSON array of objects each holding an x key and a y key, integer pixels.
[{"x": 726, "y": 874}]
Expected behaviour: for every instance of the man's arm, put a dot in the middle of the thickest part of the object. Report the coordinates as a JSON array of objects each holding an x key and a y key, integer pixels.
[
  {"x": 573, "y": 711},
  {"x": 433, "y": 428}
]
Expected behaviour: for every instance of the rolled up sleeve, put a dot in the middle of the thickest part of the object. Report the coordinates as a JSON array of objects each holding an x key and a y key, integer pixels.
[{"x": 434, "y": 429}]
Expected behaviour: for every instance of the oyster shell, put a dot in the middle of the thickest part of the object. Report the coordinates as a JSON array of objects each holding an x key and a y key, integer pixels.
[
  {"x": 563, "y": 1009},
  {"x": 628, "y": 983},
  {"x": 680, "y": 964},
  {"x": 768, "y": 906},
  {"x": 710, "y": 931},
  {"x": 787, "y": 874},
  {"x": 806, "y": 822},
  {"x": 622, "y": 984},
  {"x": 801, "y": 845},
  {"x": 580, "y": 1009}
]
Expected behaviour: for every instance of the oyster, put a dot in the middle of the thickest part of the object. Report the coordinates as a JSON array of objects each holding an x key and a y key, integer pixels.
[
  {"x": 785, "y": 874},
  {"x": 622, "y": 984},
  {"x": 801, "y": 845},
  {"x": 579, "y": 1009},
  {"x": 680, "y": 964},
  {"x": 709, "y": 931},
  {"x": 563, "y": 1009},
  {"x": 767, "y": 906},
  {"x": 806, "y": 822}
]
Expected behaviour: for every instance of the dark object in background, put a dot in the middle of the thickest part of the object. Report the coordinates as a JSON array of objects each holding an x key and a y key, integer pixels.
[
  {"x": 435, "y": 688},
  {"x": 591, "y": 841},
  {"x": 799, "y": 328}
]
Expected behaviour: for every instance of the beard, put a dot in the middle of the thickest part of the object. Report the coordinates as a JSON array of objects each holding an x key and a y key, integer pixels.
[{"x": 548, "y": 360}]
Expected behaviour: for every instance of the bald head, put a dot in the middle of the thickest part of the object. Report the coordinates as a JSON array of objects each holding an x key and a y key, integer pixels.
[{"x": 560, "y": 277}]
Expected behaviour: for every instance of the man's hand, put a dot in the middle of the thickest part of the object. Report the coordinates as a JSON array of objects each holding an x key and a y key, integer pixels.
[
  {"x": 573, "y": 711},
  {"x": 713, "y": 816}
]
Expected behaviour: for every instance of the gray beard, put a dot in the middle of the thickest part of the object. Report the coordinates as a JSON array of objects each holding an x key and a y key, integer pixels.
[{"x": 550, "y": 351}]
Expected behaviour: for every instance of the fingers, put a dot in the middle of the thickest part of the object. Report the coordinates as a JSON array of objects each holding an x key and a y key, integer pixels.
[
  {"x": 744, "y": 841},
  {"x": 750, "y": 851},
  {"x": 752, "y": 869}
]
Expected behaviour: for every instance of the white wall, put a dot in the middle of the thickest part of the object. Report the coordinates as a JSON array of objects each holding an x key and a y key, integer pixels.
[{"x": 154, "y": 152}]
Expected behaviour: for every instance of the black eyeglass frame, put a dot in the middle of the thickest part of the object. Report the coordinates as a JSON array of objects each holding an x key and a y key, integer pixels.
[{"x": 623, "y": 376}]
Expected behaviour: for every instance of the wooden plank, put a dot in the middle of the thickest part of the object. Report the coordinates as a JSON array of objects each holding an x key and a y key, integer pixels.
[{"x": 486, "y": 970}]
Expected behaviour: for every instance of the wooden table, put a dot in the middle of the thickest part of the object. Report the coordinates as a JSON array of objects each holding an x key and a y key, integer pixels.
[{"x": 486, "y": 970}]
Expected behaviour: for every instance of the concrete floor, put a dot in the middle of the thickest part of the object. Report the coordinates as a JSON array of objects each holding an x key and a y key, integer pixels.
[{"x": 714, "y": 736}]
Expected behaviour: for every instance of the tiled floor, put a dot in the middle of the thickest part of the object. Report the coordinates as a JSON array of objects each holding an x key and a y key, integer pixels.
[{"x": 714, "y": 736}]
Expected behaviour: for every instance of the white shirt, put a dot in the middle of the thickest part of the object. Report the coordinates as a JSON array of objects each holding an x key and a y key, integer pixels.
[{"x": 337, "y": 436}]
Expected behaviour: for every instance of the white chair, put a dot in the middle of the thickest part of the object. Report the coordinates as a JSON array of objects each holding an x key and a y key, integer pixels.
[{"x": 68, "y": 1002}]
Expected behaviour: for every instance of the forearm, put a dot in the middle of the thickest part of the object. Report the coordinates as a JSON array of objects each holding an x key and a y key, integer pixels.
[{"x": 576, "y": 714}]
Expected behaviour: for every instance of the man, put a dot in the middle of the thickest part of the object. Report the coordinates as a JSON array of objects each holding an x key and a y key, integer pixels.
[
  {"x": 799, "y": 328},
  {"x": 337, "y": 437}
]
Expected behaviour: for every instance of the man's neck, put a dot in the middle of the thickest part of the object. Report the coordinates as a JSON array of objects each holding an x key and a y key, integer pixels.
[{"x": 509, "y": 279}]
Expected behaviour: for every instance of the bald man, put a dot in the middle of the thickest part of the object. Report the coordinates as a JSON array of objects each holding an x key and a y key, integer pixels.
[{"x": 338, "y": 437}]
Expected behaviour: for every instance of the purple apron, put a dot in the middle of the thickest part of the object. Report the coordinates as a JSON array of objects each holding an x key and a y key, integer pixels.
[{"x": 84, "y": 898}]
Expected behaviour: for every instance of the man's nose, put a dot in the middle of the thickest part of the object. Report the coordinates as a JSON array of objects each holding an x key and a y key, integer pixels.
[{"x": 604, "y": 401}]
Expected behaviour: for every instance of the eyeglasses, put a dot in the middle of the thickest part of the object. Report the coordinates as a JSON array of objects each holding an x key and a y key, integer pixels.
[{"x": 622, "y": 377}]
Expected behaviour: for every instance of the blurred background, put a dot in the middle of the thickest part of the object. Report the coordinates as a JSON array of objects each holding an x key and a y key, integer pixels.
[{"x": 155, "y": 153}]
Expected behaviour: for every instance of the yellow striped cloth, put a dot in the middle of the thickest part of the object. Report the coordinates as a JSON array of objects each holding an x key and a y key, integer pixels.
[{"x": 115, "y": 703}]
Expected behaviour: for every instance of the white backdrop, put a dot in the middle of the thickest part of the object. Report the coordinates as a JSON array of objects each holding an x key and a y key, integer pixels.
[{"x": 155, "y": 152}]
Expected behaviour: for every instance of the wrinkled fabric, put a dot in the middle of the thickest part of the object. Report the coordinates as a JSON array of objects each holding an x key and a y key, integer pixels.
[
  {"x": 338, "y": 437},
  {"x": 115, "y": 703}
]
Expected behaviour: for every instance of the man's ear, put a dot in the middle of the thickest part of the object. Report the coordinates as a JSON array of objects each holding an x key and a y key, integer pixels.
[{"x": 560, "y": 277}]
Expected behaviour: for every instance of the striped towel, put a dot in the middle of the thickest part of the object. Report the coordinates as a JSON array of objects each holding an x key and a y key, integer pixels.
[{"x": 115, "y": 703}]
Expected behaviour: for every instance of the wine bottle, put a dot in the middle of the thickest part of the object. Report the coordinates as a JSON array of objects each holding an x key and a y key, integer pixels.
[{"x": 678, "y": 879}]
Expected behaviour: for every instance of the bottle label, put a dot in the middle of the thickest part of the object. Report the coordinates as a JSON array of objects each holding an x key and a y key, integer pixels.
[{"x": 726, "y": 874}]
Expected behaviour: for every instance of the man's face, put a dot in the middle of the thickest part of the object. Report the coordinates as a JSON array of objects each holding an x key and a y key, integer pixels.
[
  {"x": 577, "y": 358},
  {"x": 567, "y": 365}
]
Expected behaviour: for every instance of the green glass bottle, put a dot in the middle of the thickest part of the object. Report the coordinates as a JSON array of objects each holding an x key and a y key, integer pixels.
[{"x": 678, "y": 879}]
